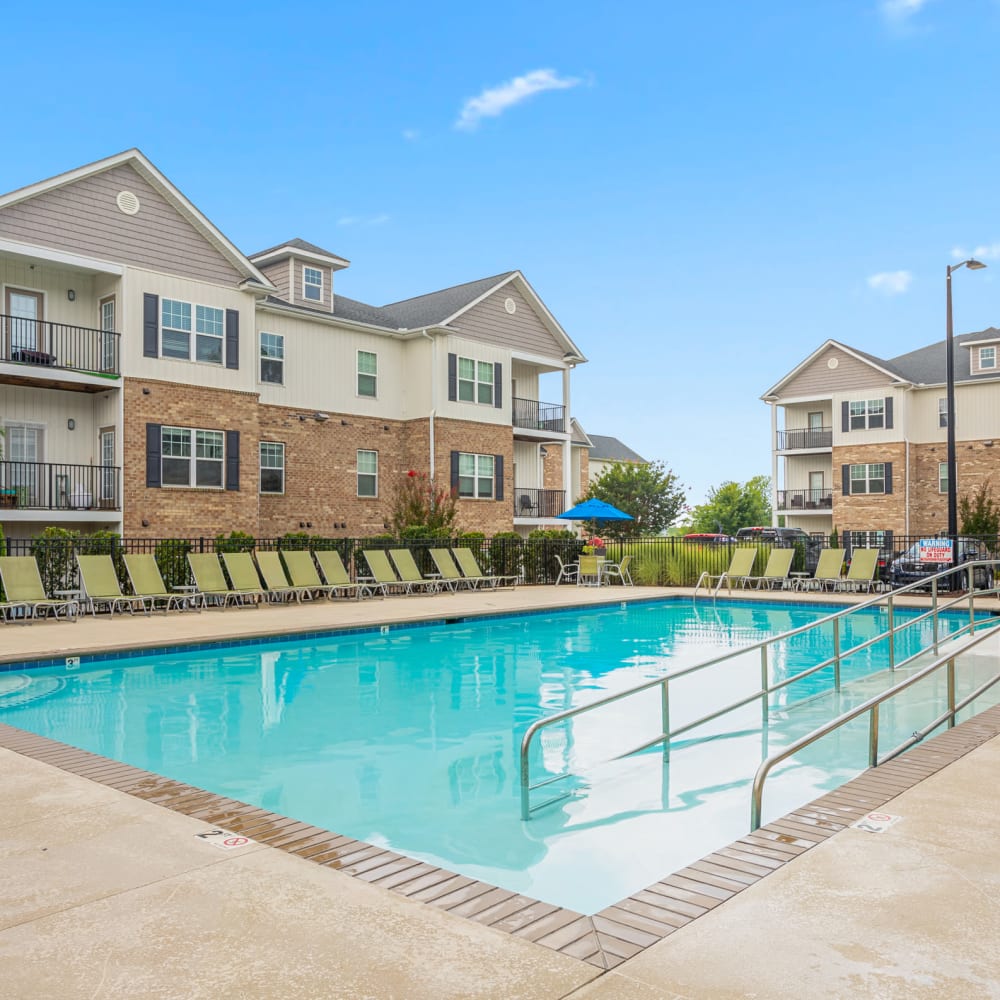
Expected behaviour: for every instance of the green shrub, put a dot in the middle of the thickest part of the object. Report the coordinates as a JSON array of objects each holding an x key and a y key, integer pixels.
[
  {"x": 53, "y": 550},
  {"x": 505, "y": 554},
  {"x": 235, "y": 541},
  {"x": 171, "y": 557},
  {"x": 294, "y": 540}
]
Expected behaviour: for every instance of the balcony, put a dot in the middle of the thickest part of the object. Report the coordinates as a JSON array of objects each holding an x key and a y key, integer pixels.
[
  {"x": 57, "y": 486},
  {"x": 533, "y": 503},
  {"x": 533, "y": 415},
  {"x": 803, "y": 500},
  {"x": 805, "y": 439},
  {"x": 44, "y": 347}
]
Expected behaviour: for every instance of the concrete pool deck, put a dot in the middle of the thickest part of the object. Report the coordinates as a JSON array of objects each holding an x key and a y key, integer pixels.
[{"x": 107, "y": 895}]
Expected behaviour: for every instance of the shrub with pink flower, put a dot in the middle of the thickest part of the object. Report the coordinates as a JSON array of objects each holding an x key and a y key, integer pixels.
[{"x": 419, "y": 503}]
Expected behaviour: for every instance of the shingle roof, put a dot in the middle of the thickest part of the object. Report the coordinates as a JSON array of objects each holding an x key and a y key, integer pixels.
[
  {"x": 610, "y": 449},
  {"x": 435, "y": 307},
  {"x": 928, "y": 365},
  {"x": 298, "y": 244},
  {"x": 344, "y": 308}
]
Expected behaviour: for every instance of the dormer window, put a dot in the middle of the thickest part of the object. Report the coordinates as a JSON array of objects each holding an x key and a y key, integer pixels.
[
  {"x": 312, "y": 284},
  {"x": 987, "y": 358}
]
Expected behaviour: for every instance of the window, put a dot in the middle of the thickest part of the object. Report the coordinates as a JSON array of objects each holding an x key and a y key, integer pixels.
[
  {"x": 868, "y": 478},
  {"x": 272, "y": 358},
  {"x": 942, "y": 477},
  {"x": 475, "y": 381},
  {"x": 367, "y": 374},
  {"x": 272, "y": 467},
  {"x": 176, "y": 330},
  {"x": 367, "y": 473},
  {"x": 867, "y": 413},
  {"x": 312, "y": 284},
  {"x": 475, "y": 476},
  {"x": 943, "y": 412},
  {"x": 191, "y": 457},
  {"x": 987, "y": 357}
]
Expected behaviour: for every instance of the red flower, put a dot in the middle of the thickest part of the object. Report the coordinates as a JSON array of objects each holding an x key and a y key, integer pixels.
[{"x": 411, "y": 474}]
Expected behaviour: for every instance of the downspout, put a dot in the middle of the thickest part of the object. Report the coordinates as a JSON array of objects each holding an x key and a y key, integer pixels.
[{"x": 433, "y": 413}]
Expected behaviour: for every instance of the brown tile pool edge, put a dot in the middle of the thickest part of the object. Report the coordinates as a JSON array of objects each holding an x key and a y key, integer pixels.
[{"x": 605, "y": 939}]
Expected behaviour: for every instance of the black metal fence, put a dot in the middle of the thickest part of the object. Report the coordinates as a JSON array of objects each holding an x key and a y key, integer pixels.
[
  {"x": 59, "y": 486},
  {"x": 805, "y": 437},
  {"x": 58, "y": 345},
  {"x": 530, "y": 413},
  {"x": 817, "y": 499},
  {"x": 530, "y": 502}
]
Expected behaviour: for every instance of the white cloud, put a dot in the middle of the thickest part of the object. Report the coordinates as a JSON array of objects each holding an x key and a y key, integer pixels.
[
  {"x": 890, "y": 282},
  {"x": 411, "y": 134},
  {"x": 899, "y": 11},
  {"x": 364, "y": 220},
  {"x": 986, "y": 251},
  {"x": 496, "y": 100}
]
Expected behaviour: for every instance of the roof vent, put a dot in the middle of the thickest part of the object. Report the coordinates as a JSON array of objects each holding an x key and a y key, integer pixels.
[
  {"x": 833, "y": 363},
  {"x": 510, "y": 305},
  {"x": 127, "y": 202}
]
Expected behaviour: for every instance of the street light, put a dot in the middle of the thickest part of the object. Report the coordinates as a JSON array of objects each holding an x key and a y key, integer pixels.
[{"x": 972, "y": 265}]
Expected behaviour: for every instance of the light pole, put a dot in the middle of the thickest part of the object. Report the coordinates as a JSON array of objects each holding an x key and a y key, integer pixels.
[{"x": 972, "y": 265}]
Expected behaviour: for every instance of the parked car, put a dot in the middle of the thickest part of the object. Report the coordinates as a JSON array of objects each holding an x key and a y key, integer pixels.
[
  {"x": 785, "y": 538},
  {"x": 921, "y": 560},
  {"x": 709, "y": 538}
]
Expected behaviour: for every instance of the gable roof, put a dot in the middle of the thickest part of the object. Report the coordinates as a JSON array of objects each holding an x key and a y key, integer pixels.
[
  {"x": 436, "y": 308},
  {"x": 879, "y": 364},
  {"x": 610, "y": 449},
  {"x": 928, "y": 365},
  {"x": 136, "y": 159},
  {"x": 304, "y": 248}
]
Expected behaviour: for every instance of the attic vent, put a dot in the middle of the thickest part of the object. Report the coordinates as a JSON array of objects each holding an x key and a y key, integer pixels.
[
  {"x": 127, "y": 202},
  {"x": 510, "y": 305},
  {"x": 832, "y": 363}
]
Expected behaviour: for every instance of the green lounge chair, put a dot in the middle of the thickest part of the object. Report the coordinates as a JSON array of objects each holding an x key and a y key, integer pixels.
[
  {"x": 303, "y": 573},
  {"x": 740, "y": 568},
  {"x": 244, "y": 577},
  {"x": 22, "y": 583},
  {"x": 409, "y": 572},
  {"x": 211, "y": 581},
  {"x": 775, "y": 575},
  {"x": 451, "y": 575},
  {"x": 335, "y": 573},
  {"x": 861, "y": 573},
  {"x": 101, "y": 587},
  {"x": 269, "y": 564},
  {"x": 147, "y": 582},
  {"x": 382, "y": 573},
  {"x": 468, "y": 565},
  {"x": 828, "y": 571}
]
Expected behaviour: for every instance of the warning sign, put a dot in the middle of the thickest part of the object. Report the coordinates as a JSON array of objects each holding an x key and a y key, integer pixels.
[
  {"x": 224, "y": 840},
  {"x": 934, "y": 550},
  {"x": 876, "y": 822}
]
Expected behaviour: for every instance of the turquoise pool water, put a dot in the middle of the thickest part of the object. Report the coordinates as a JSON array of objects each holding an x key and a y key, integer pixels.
[{"x": 410, "y": 739}]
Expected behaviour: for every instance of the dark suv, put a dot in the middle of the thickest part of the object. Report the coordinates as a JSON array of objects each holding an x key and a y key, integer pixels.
[
  {"x": 785, "y": 538},
  {"x": 909, "y": 567}
]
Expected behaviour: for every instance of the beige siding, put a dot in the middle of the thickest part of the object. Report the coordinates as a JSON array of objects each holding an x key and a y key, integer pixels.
[
  {"x": 82, "y": 217},
  {"x": 820, "y": 380},
  {"x": 975, "y": 367},
  {"x": 477, "y": 412},
  {"x": 797, "y": 417},
  {"x": 51, "y": 409},
  {"x": 526, "y": 377},
  {"x": 54, "y": 281},
  {"x": 490, "y": 323},
  {"x": 527, "y": 472},
  {"x": 877, "y": 435},
  {"x": 798, "y": 467},
  {"x": 278, "y": 274},
  {"x": 977, "y": 409},
  {"x": 298, "y": 298}
]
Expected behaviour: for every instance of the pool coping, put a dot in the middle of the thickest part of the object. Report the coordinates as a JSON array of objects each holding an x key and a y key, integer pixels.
[{"x": 605, "y": 939}]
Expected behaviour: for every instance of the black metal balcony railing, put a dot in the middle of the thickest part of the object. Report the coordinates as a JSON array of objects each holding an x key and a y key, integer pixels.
[
  {"x": 529, "y": 502},
  {"x": 57, "y": 486},
  {"x": 821, "y": 499},
  {"x": 58, "y": 345},
  {"x": 532, "y": 414},
  {"x": 805, "y": 437}
]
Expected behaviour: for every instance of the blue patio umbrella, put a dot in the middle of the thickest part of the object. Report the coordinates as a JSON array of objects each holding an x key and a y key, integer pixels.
[{"x": 595, "y": 510}]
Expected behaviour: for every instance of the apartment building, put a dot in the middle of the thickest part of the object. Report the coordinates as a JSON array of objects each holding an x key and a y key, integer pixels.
[
  {"x": 860, "y": 442},
  {"x": 157, "y": 381},
  {"x": 605, "y": 452}
]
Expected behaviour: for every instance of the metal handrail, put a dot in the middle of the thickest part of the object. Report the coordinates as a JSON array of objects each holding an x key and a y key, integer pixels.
[
  {"x": 766, "y": 688},
  {"x": 872, "y": 706}
]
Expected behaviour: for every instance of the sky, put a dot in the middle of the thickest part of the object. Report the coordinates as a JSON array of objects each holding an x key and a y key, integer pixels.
[{"x": 702, "y": 194}]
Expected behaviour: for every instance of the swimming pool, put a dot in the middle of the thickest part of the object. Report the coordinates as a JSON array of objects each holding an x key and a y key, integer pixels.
[{"x": 409, "y": 739}]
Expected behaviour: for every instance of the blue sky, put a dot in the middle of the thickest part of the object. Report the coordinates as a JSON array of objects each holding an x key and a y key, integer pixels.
[{"x": 701, "y": 193}]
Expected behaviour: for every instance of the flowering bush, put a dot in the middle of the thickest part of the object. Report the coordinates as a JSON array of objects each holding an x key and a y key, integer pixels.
[
  {"x": 598, "y": 543},
  {"x": 418, "y": 503}
]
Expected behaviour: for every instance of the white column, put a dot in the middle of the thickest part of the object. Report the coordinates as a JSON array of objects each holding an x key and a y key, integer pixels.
[
  {"x": 572, "y": 489},
  {"x": 774, "y": 463}
]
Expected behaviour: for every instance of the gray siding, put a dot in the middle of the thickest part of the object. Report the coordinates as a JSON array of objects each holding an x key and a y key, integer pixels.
[
  {"x": 492, "y": 324},
  {"x": 818, "y": 379},
  {"x": 82, "y": 217},
  {"x": 299, "y": 299},
  {"x": 277, "y": 273}
]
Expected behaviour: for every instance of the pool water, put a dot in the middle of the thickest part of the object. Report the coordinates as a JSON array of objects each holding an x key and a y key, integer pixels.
[{"x": 410, "y": 739}]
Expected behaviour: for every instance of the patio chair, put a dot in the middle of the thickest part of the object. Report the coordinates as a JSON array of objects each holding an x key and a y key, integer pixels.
[
  {"x": 567, "y": 571},
  {"x": 618, "y": 571},
  {"x": 244, "y": 577},
  {"x": 211, "y": 581},
  {"x": 861, "y": 573},
  {"x": 451, "y": 575},
  {"x": 335, "y": 573},
  {"x": 775, "y": 575},
  {"x": 468, "y": 565},
  {"x": 269, "y": 565},
  {"x": 101, "y": 587},
  {"x": 588, "y": 572},
  {"x": 22, "y": 583},
  {"x": 740, "y": 568},
  {"x": 409, "y": 572},
  {"x": 147, "y": 582},
  {"x": 382, "y": 574},
  {"x": 828, "y": 571}
]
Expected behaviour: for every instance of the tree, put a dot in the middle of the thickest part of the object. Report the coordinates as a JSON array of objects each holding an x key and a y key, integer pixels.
[
  {"x": 733, "y": 506},
  {"x": 980, "y": 512},
  {"x": 650, "y": 493},
  {"x": 427, "y": 510}
]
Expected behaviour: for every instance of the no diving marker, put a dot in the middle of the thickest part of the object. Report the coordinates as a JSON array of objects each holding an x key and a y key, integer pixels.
[
  {"x": 876, "y": 822},
  {"x": 224, "y": 840}
]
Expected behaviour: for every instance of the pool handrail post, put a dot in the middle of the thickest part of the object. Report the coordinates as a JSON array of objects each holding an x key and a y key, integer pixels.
[
  {"x": 836, "y": 654},
  {"x": 525, "y": 788},
  {"x": 764, "y": 686},
  {"x": 890, "y": 608},
  {"x": 665, "y": 715},
  {"x": 934, "y": 612},
  {"x": 951, "y": 693},
  {"x": 873, "y": 736}
]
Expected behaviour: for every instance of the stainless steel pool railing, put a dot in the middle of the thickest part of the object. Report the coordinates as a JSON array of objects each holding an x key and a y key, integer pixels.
[
  {"x": 871, "y": 706},
  {"x": 766, "y": 687}
]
